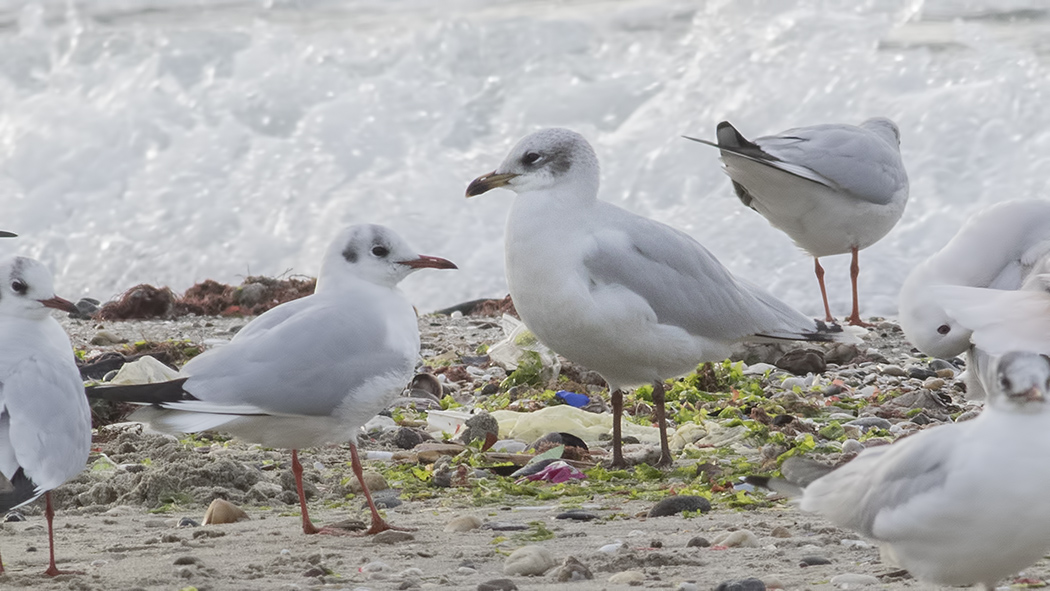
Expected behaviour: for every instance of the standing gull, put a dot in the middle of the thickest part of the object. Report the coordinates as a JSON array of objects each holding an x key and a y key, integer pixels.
[
  {"x": 631, "y": 298},
  {"x": 998, "y": 248},
  {"x": 45, "y": 423},
  {"x": 308, "y": 372},
  {"x": 832, "y": 188},
  {"x": 960, "y": 504}
]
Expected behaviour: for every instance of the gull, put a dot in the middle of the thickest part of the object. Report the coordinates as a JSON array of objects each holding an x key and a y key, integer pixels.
[
  {"x": 959, "y": 504},
  {"x": 308, "y": 372},
  {"x": 633, "y": 299},
  {"x": 831, "y": 188},
  {"x": 998, "y": 249},
  {"x": 45, "y": 422}
]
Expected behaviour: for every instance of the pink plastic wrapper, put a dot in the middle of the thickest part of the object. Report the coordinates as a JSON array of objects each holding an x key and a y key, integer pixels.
[{"x": 556, "y": 473}]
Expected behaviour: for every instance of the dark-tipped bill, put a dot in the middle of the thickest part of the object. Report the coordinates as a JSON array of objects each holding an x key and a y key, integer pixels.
[
  {"x": 4, "y": 234},
  {"x": 59, "y": 304},
  {"x": 1033, "y": 394},
  {"x": 427, "y": 262},
  {"x": 487, "y": 182}
]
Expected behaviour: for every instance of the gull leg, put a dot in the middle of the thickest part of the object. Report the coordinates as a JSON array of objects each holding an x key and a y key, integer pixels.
[
  {"x": 378, "y": 523},
  {"x": 297, "y": 470},
  {"x": 617, "y": 404},
  {"x": 49, "y": 514},
  {"x": 823, "y": 290},
  {"x": 1, "y": 566},
  {"x": 659, "y": 398},
  {"x": 854, "y": 271}
]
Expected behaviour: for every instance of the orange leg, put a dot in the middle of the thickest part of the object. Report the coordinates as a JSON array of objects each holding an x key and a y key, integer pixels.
[
  {"x": 297, "y": 471},
  {"x": 617, "y": 405},
  {"x": 854, "y": 272},
  {"x": 49, "y": 513},
  {"x": 378, "y": 523},
  {"x": 659, "y": 398},
  {"x": 823, "y": 290}
]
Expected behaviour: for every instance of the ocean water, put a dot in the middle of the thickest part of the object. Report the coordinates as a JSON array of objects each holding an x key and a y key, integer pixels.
[{"x": 170, "y": 141}]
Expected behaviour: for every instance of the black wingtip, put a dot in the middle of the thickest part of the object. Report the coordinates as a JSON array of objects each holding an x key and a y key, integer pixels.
[
  {"x": 5, "y": 234},
  {"x": 156, "y": 393},
  {"x": 19, "y": 490}
]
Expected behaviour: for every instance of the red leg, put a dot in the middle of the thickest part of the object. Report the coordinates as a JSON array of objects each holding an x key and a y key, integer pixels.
[
  {"x": 297, "y": 470},
  {"x": 617, "y": 404},
  {"x": 854, "y": 272},
  {"x": 659, "y": 398},
  {"x": 378, "y": 523},
  {"x": 823, "y": 290},
  {"x": 1, "y": 566},
  {"x": 49, "y": 513}
]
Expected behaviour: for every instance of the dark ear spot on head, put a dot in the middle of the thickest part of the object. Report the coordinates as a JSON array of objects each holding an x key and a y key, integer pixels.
[
  {"x": 944, "y": 329},
  {"x": 350, "y": 254},
  {"x": 560, "y": 161}
]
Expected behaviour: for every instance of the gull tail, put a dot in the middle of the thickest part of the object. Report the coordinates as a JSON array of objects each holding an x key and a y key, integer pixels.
[
  {"x": 17, "y": 491},
  {"x": 155, "y": 393},
  {"x": 798, "y": 473}
]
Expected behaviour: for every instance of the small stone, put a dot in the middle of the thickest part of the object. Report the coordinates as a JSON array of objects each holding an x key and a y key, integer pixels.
[
  {"x": 740, "y": 538},
  {"x": 572, "y": 570},
  {"x": 893, "y": 370},
  {"x": 628, "y": 577},
  {"x": 505, "y": 526},
  {"x": 528, "y": 561},
  {"x": 187, "y": 522},
  {"x": 852, "y": 446},
  {"x": 406, "y": 438},
  {"x": 478, "y": 427},
  {"x": 86, "y": 308},
  {"x": 223, "y": 511},
  {"x": 832, "y": 390},
  {"x": 945, "y": 373},
  {"x": 679, "y": 503},
  {"x": 813, "y": 561},
  {"x": 748, "y": 584},
  {"x": 104, "y": 337},
  {"x": 392, "y": 536},
  {"x": 687, "y": 586},
  {"x": 939, "y": 365},
  {"x": 498, "y": 585},
  {"x": 921, "y": 419},
  {"x": 933, "y": 384},
  {"x": 577, "y": 515},
  {"x": 697, "y": 542},
  {"x": 850, "y": 580},
  {"x": 384, "y": 500},
  {"x": 803, "y": 361},
  {"x": 186, "y": 560},
  {"x": 463, "y": 523},
  {"x": 374, "y": 481},
  {"x": 780, "y": 532},
  {"x": 866, "y": 423},
  {"x": 315, "y": 571},
  {"x": 966, "y": 416},
  {"x": 920, "y": 373}
]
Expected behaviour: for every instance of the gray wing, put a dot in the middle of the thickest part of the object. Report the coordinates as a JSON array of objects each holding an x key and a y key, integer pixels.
[
  {"x": 903, "y": 477},
  {"x": 684, "y": 284},
  {"x": 848, "y": 158},
  {"x": 45, "y": 422},
  {"x": 306, "y": 364}
]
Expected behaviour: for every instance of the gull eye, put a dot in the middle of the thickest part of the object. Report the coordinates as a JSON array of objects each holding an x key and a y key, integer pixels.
[
  {"x": 19, "y": 286},
  {"x": 531, "y": 158},
  {"x": 380, "y": 251},
  {"x": 1005, "y": 383},
  {"x": 944, "y": 329}
]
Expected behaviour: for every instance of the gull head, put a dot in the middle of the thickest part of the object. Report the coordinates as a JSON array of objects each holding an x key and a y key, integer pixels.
[
  {"x": 375, "y": 254},
  {"x": 1022, "y": 381},
  {"x": 926, "y": 323},
  {"x": 541, "y": 161},
  {"x": 27, "y": 290},
  {"x": 885, "y": 128}
]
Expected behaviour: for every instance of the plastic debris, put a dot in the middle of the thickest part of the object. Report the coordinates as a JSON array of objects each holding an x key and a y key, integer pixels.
[
  {"x": 556, "y": 472},
  {"x": 572, "y": 398}
]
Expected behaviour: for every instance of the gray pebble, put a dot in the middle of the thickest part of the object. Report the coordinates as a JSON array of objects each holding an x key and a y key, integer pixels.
[
  {"x": 866, "y": 423},
  {"x": 679, "y": 503},
  {"x": 504, "y": 526},
  {"x": 498, "y": 585},
  {"x": 406, "y": 438},
  {"x": 813, "y": 561},
  {"x": 577, "y": 515},
  {"x": 392, "y": 536},
  {"x": 939, "y": 364},
  {"x": 921, "y": 373},
  {"x": 852, "y": 446},
  {"x": 572, "y": 570},
  {"x": 893, "y": 370},
  {"x": 748, "y": 584},
  {"x": 697, "y": 542}
]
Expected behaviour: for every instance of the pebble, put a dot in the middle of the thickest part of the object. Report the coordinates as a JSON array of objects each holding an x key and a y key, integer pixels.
[
  {"x": 697, "y": 542},
  {"x": 866, "y": 423},
  {"x": 893, "y": 370},
  {"x": 939, "y": 365},
  {"x": 610, "y": 548},
  {"x": 504, "y": 526},
  {"x": 803, "y": 361},
  {"x": 104, "y": 337},
  {"x": 740, "y": 538},
  {"x": 406, "y": 438},
  {"x": 528, "y": 560},
  {"x": 463, "y": 523},
  {"x": 628, "y": 577},
  {"x": 966, "y": 416},
  {"x": 384, "y": 500},
  {"x": 920, "y": 373},
  {"x": 832, "y": 390},
  {"x": 392, "y": 536},
  {"x": 572, "y": 570},
  {"x": 577, "y": 515},
  {"x": 679, "y": 503},
  {"x": 478, "y": 427},
  {"x": 933, "y": 384},
  {"x": 780, "y": 532},
  {"x": 748, "y": 584},
  {"x": 852, "y": 446},
  {"x": 223, "y": 511},
  {"x": 813, "y": 561},
  {"x": 372, "y": 567},
  {"x": 498, "y": 585},
  {"x": 850, "y": 580},
  {"x": 374, "y": 480},
  {"x": 687, "y": 586}
]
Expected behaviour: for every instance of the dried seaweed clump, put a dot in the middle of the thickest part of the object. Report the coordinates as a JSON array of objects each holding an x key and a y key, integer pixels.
[
  {"x": 483, "y": 307},
  {"x": 208, "y": 298}
]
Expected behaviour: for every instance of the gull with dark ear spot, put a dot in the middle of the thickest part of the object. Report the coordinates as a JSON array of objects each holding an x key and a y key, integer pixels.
[
  {"x": 633, "y": 299},
  {"x": 832, "y": 188},
  {"x": 999, "y": 248},
  {"x": 308, "y": 372},
  {"x": 960, "y": 504},
  {"x": 45, "y": 423}
]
